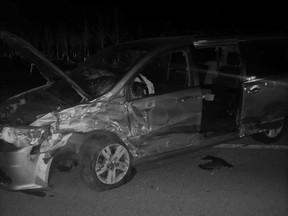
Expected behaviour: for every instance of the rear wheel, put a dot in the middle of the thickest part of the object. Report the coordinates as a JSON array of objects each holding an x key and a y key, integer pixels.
[
  {"x": 272, "y": 135},
  {"x": 105, "y": 165}
]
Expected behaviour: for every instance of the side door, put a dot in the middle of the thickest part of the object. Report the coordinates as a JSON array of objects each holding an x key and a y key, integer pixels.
[
  {"x": 264, "y": 88},
  {"x": 166, "y": 116}
]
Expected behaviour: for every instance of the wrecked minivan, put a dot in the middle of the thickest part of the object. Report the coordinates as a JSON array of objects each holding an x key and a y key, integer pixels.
[{"x": 139, "y": 101}]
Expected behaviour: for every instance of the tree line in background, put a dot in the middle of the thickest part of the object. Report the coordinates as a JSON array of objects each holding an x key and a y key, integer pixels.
[
  {"x": 83, "y": 33},
  {"x": 73, "y": 43}
]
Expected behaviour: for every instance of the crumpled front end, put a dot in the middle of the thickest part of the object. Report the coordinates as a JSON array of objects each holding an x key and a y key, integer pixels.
[
  {"x": 27, "y": 165},
  {"x": 24, "y": 163},
  {"x": 20, "y": 170}
]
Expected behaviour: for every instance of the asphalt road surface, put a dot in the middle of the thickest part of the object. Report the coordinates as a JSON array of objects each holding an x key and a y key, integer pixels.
[{"x": 256, "y": 185}]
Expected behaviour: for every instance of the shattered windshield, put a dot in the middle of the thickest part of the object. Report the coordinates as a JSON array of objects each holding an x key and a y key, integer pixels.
[{"x": 100, "y": 73}]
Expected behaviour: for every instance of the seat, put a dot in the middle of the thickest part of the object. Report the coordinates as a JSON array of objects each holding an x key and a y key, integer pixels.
[{"x": 229, "y": 74}]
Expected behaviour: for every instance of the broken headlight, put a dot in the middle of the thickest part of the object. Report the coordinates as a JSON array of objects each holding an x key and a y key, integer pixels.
[{"x": 23, "y": 136}]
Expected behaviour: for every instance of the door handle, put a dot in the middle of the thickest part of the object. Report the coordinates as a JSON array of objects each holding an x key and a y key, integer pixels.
[
  {"x": 255, "y": 89},
  {"x": 188, "y": 98}
]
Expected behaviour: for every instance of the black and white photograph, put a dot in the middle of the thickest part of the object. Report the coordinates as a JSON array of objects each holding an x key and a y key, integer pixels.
[{"x": 153, "y": 108}]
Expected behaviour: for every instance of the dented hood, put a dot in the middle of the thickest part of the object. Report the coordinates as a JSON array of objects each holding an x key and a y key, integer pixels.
[{"x": 49, "y": 70}]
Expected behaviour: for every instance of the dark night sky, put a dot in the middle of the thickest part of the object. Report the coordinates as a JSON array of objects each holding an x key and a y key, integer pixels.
[
  {"x": 151, "y": 16},
  {"x": 139, "y": 19}
]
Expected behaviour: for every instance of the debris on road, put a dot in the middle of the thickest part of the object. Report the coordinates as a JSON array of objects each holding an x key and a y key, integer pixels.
[{"x": 214, "y": 163}]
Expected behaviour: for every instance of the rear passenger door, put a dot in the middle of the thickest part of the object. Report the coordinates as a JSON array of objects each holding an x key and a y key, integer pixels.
[{"x": 264, "y": 88}]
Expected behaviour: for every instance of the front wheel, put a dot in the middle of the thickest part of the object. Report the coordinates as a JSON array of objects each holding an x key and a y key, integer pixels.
[
  {"x": 105, "y": 165},
  {"x": 271, "y": 135}
]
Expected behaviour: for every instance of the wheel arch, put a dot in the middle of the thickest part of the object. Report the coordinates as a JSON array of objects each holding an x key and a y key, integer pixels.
[
  {"x": 88, "y": 157},
  {"x": 77, "y": 140}
]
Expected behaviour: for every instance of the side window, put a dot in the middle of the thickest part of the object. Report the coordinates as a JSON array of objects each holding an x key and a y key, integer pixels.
[
  {"x": 265, "y": 58},
  {"x": 166, "y": 73},
  {"x": 177, "y": 76},
  {"x": 218, "y": 65}
]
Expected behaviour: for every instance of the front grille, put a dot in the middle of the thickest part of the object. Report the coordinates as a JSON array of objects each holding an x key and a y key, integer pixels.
[{"x": 4, "y": 179}]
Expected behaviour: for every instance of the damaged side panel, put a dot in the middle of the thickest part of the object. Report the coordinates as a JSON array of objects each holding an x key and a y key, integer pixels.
[
  {"x": 163, "y": 123},
  {"x": 85, "y": 118},
  {"x": 148, "y": 126}
]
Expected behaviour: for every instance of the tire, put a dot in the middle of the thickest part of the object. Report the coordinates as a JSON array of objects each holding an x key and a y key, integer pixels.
[
  {"x": 105, "y": 164},
  {"x": 272, "y": 135}
]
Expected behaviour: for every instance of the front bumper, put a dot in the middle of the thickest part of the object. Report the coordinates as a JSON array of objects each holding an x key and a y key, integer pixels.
[{"x": 19, "y": 170}]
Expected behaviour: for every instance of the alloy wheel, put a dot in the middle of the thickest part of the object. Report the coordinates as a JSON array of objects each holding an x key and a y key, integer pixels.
[{"x": 112, "y": 164}]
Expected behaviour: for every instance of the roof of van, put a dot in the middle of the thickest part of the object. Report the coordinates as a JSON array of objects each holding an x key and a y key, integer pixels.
[{"x": 198, "y": 40}]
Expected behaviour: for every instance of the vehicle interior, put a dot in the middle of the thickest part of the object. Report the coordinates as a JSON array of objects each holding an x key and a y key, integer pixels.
[
  {"x": 219, "y": 77},
  {"x": 167, "y": 73}
]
